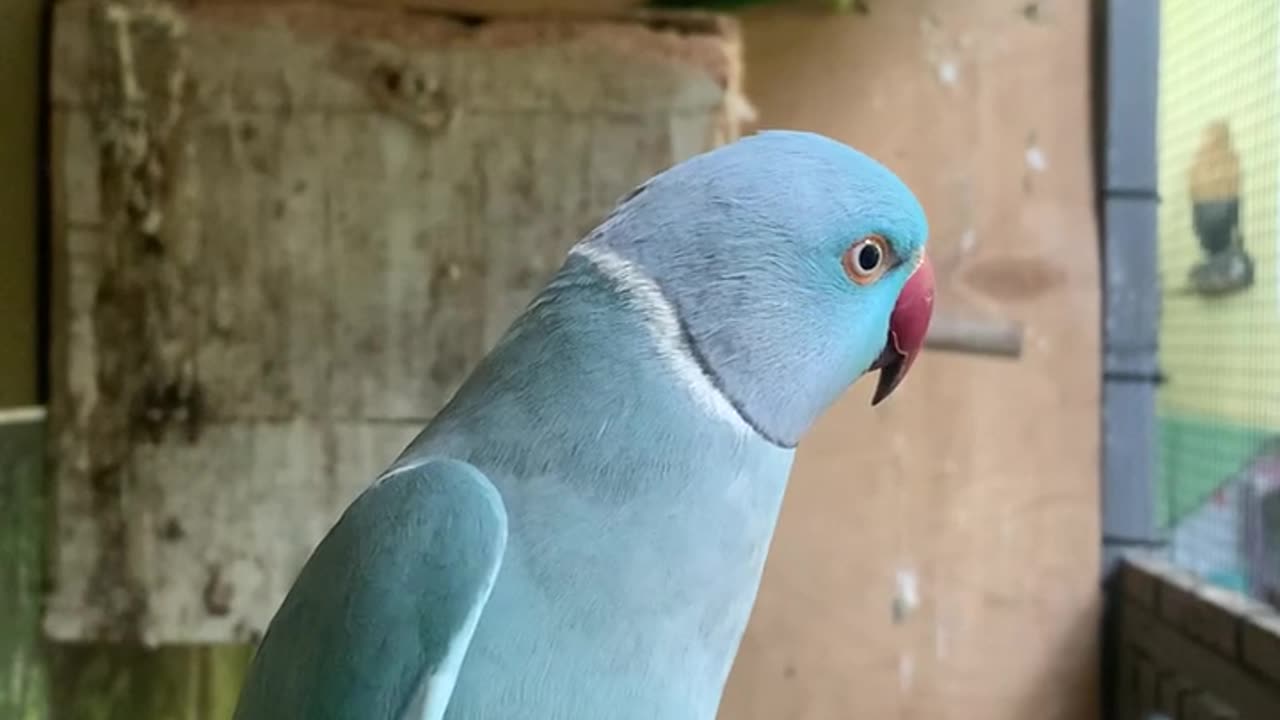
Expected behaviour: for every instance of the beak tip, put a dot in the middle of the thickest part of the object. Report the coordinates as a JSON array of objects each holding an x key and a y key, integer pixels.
[{"x": 891, "y": 373}]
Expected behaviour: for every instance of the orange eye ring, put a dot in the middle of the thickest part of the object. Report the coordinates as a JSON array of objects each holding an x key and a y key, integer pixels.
[{"x": 868, "y": 259}]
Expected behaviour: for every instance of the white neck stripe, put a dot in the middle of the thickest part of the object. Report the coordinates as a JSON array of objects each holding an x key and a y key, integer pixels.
[{"x": 660, "y": 319}]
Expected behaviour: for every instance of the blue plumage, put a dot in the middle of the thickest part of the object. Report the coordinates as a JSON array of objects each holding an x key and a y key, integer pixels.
[
  {"x": 745, "y": 241},
  {"x": 618, "y": 459}
]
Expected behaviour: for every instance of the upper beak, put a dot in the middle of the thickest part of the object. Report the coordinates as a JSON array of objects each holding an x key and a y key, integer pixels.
[{"x": 908, "y": 325}]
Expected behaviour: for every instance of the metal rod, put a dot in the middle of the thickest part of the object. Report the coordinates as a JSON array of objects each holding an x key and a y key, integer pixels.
[{"x": 1000, "y": 338}]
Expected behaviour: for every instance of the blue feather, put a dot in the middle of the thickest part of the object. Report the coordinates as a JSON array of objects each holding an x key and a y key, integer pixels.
[{"x": 619, "y": 460}]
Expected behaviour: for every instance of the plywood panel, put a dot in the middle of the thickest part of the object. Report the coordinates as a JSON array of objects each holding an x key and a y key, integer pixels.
[
  {"x": 937, "y": 557},
  {"x": 25, "y": 692},
  {"x": 20, "y": 32},
  {"x": 284, "y": 233},
  {"x": 476, "y": 8}
]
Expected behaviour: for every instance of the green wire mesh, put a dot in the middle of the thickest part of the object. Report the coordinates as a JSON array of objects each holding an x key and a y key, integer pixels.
[{"x": 1219, "y": 229}]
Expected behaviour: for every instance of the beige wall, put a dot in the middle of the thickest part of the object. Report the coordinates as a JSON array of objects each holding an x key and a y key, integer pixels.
[
  {"x": 19, "y": 43},
  {"x": 977, "y": 482}
]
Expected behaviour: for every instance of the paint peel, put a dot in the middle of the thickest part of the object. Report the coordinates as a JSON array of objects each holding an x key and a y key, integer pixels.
[
  {"x": 941, "y": 51},
  {"x": 948, "y": 73},
  {"x": 906, "y": 671},
  {"x": 1035, "y": 159},
  {"x": 907, "y": 597}
]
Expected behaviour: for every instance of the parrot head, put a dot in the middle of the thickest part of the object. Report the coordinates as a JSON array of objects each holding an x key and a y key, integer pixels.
[{"x": 794, "y": 265}]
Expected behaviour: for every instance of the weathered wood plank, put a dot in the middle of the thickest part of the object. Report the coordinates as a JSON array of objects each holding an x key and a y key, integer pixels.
[
  {"x": 23, "y": 676},
  {"x": 491, "y": 8},
  {"x": 306, "y": 57},
  {"x": 24, "y": 685},
  {"x": 43, "y": 681},
  {"x": 283, "y": 236},
  {"x": 129, "y": 682},
  {"x": 20, "y": 45}
]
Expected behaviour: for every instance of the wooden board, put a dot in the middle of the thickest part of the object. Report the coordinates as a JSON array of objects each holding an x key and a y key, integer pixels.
[
  {"x": 83, "y": 681},
  {"x": 20, "y": 33},
  {"x": 474, "y": 8},
  {"x": 283, "y": 234},
  {"x": 937, "y": 557},
  {"x": 24, "y": 692}
]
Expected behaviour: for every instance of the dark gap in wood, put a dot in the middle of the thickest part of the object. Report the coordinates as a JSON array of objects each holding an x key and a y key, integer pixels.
[
  {"x": 43, "y": 177},
  {"x": 692, "y": 23}
]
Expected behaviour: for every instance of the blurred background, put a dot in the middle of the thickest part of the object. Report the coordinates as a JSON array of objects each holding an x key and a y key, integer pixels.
[{"x": 249, "y": 247}]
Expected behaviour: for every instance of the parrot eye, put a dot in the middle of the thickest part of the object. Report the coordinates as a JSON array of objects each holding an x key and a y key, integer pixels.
[{"x": 865, "y": 261}]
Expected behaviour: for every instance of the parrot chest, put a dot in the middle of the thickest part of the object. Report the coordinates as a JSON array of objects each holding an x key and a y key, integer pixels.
[
  {"x": 639, "y": 517},
  {"x": 627, "y": 606}
]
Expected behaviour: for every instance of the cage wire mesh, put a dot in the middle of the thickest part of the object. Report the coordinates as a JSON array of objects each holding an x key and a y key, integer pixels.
[{"x": 1219, "y": 228}]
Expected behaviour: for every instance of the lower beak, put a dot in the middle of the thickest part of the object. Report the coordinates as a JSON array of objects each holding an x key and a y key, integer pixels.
[{"x": 892, "y": 366}]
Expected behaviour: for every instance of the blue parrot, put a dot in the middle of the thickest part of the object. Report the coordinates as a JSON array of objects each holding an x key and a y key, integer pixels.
[{"x": 579, "y": 534}]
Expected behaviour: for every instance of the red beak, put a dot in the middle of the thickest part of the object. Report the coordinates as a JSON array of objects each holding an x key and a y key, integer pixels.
[{"x": 908, "y": 325}]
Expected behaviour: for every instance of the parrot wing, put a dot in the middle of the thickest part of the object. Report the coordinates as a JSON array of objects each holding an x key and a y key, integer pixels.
[{"x": 380, "y": 617}]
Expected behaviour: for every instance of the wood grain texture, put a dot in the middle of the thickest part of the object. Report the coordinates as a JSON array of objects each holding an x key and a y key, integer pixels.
[
  {"x": 937, "y": 557},
  {"x": 50, "y": 681},
  {"x": 113, "y": 681},
  {"x": 477, "y": 8},
  {"x": 283, "y": 234},
  {"x": 20, "y": 49},
  {"x": 24, "y": 679}
]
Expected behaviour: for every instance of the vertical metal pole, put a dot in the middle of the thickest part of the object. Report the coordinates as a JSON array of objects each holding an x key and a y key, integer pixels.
[
  {"x": 1128, "y": 46},
  {"x": 1131, "y": 292}
]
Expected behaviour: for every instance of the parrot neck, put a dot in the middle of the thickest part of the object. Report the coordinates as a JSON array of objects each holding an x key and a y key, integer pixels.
[
  {"x": 679, "y": 348},
  {"x": 594, "y": 350},
  {"x": 669, "y": 336}
]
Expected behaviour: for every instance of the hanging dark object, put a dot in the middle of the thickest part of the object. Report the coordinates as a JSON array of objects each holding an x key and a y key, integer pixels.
[{"x": 1215, "y": 214}]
